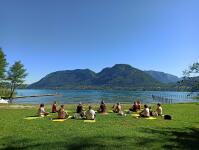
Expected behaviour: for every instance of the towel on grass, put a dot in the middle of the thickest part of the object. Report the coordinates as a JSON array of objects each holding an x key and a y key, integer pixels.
[
  {"x": 58, "y": 120},
  {"x": 151, "y": 118},
  {"x": 61, "y": 120},
  {"x": 135, "y": 115},
  {"x": 90, "y": 121},
  {"x": 32, "y": 118}
]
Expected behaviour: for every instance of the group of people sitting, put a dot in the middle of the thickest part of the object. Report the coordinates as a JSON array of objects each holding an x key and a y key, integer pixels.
[
  {"x": 90, "y": 113},
  {"x": 63, "y": 114},
  {"x": 147, "y": 111}
]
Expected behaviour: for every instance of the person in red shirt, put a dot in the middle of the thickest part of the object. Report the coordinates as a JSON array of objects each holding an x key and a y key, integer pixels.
[
  {"x": 134, "y": 108},
  {"x": 54, "y": 107}
]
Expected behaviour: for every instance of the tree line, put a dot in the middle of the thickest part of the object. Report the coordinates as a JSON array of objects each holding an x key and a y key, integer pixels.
[{"x": 13, "y": 77}]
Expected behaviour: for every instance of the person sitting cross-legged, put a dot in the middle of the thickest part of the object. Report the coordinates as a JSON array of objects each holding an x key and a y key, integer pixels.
[
  {"x": 54, "y": 107},
  {"x": 90, "y": 114},
  {"x": 138, "y": 105},
  {"x": 62, "y": 114},
  {"x": 102, "y": 108},
  {"x": 41, "y": 111},
  {"x": 80, "y": 113},
  {"x": 159, "y": 109},
  {"x": 118, "y": 109},
  {"x": 134, "y": 107},
  {"x": 145, "y": 112},
  {"x": 80, "y": 110}
]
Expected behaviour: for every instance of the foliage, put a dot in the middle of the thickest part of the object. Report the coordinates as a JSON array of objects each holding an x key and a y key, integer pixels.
[
  {"x": 189, "y": 79},
  {"x": 16, "y": 75},
  {"x": 5, "y": 93},
  {"x": 110, "y": 132},
  {"x": 194, "y": 68},
  {"x": 3, "y": 64}
]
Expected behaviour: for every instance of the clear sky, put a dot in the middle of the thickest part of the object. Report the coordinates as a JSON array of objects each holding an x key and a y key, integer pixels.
[{"x": 51, "y": 35}]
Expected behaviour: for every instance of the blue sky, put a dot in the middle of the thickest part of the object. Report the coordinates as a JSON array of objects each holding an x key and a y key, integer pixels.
[{"x": 51, "y": 35}]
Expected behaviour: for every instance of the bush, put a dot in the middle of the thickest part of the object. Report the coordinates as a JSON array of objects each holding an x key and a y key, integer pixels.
[{"x": 5, "y": 93}]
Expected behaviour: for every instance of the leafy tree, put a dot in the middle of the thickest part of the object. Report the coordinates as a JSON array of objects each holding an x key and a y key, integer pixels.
[
  {"x": 16, "y": 76},
  {"x": 192, "y": 70},
  {"x": 3, "y": 65}
]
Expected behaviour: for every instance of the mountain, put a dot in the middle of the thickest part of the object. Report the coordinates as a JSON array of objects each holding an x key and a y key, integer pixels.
[
  {"x": 163, "y": 77},
  {"x": 120, "y": 75},
  {"x": 123, "y": 75},
  {"x": 60, "y": 79}
]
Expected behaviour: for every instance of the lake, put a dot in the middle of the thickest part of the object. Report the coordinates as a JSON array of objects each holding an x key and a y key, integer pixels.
[{"x": 109, "y": 96}]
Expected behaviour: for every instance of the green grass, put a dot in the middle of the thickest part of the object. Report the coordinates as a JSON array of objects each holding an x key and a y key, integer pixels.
[{"x": 109, "y": 132}]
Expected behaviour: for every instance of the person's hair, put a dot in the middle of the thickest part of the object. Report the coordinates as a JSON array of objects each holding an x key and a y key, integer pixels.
[
  {"x": 158, "y": 104},
  {"x": 41, "y": 105},
  {"x": 135, "y": 102},
  {"x": 90, "y": 107},
  {"x": 145, "y": 106},
  {"x": 55, "y": 102},
  {"x": 62, "y": 106},
  {"x": 102, "y": 102},
  {"x": 118, "y": 103},
  {"x": 138, "y": 102}
]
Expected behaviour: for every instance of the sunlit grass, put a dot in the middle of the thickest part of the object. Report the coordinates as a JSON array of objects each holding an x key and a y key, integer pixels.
[{"x": 109, "y": 132}]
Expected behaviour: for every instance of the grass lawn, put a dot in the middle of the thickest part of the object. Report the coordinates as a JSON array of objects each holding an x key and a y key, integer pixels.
[{"x": 108, "y": 132}]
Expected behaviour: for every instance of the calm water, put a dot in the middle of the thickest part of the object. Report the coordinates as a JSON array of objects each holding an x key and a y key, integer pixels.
[{"x": 110, "y": 96}]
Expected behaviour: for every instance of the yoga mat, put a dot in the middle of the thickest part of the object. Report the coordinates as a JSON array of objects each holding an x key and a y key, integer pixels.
[
  {"x": 90, "y": 121},
  {"x": 32, "y": 118},
  {"x": 151, "y": 118},
  {"x": 135, "y": 115},
  {"x": 110, "y": 111},
  {"x": 61, "y": 120},
  {"x": 58, "y": 120}
]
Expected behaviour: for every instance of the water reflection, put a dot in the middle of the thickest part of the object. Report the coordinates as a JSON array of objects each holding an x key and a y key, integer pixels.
[{"x": 110, "y": 96}]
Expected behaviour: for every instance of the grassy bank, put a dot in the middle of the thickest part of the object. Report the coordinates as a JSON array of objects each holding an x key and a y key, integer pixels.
[{"x": 109, "y": 132}]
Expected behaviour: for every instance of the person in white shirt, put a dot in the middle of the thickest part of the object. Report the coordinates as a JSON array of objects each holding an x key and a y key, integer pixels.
[
  {"x": 145, "y": 112},
  {"x": 90, "y": 114},
  {"x": 159, "y": 109},
  {"x": 41, "y": 111}
]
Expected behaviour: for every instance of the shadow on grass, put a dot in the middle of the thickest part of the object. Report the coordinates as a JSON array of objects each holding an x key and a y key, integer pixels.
[
  {"x": 162, "y": 138},
  {"x": 172, "y": 138},
  {"x": 80, "y": 143}
]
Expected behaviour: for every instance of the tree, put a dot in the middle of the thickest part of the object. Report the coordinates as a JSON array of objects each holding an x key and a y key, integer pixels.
[
  {"x": 16, "y": 76},
  {"x": 3, "y": 65},
  {"x": 190, "y": 72},
  {"x": 193, "y": 69}
]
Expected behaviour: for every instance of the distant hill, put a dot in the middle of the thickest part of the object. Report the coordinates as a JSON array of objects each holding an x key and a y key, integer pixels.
[
  {"x": 61, "y": 79},
  {"x": 163, "y": 77},
  {"x": 120, "y": 75},
  {"x": 123, "y": 75}
]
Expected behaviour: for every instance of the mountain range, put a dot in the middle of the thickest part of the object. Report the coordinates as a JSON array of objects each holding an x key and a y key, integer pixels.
[{"x": 119, "y": 76}]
